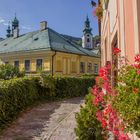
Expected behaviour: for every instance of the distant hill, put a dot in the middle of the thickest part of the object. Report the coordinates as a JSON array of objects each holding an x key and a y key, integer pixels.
[
  {"x": 76, "y": 40},
  {"x": 1, "y": 39}
]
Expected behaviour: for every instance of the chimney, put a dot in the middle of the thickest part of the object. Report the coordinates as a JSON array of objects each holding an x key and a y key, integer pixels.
[
  {"x": 16, "y": 33},
  {"x": 43, "y": 25}
]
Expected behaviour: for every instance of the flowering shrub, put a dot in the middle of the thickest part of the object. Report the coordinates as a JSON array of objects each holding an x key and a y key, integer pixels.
[
  {"x": 107, "y": 113},
  {"x": 128, "y": 101}
]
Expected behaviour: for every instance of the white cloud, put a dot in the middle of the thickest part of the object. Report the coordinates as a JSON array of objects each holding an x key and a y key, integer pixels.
[
  {"x": 2, "y": 20},
  {"x": 5, "y": 23},
  {"x": 26, "y": 27}
]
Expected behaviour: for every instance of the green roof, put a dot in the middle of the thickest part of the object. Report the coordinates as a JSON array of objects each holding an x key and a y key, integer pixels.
[{"x": 42, "y": 40}]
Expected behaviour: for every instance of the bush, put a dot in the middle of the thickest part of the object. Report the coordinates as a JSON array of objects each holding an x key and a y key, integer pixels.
[
  {"x": 88, "y": 127},
  {"x": 9, "y": 71},
  {"x": 17, "y": 94},
  {"x": 128, "y": 101},
  {"x": 72, "y": 87},
  {"x": 65, "y": 87}
]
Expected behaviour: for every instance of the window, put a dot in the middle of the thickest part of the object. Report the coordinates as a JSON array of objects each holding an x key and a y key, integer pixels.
[
  {"x": 73, "y": 67},
  {"x": 6, "y": 62},
  {"x": 16, "y": 64},
  {"x": 95, "y": 68},
  {"x": 82, "y": 67},
  {"x": 59, "y": 66},
  {"x": 27, "y": 65},
  {"x": 39, "y": 64},
  {"x": 88, "y": 40},
  {"x": 89, "y": 67}
]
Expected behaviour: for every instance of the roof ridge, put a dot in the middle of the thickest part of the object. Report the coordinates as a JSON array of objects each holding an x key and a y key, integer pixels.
[
  {"x": 75, "y": 45},
  {"x": 72, "y": 43}
]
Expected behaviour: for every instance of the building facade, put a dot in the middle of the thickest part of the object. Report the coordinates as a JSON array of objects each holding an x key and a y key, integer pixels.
[
  {"x": 120, "y": 27},
  {"x": 48, "y": 51}
]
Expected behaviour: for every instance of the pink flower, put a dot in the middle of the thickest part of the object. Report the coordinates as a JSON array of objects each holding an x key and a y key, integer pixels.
[
  {"x": 99, "y": 115},
  {"x": 95, "y": 91},
  {"x": 116, "y": 132},
  {"x": 107, "y": 110},
  {"x": 104, "y": 123},
  {"x": 116, "y": 50},
  {"x": 137, "y": 58},
  {"x": 103, "y": 73},
  {"x": 136, "y": 65},
  {"x": 138, "y": 71}
]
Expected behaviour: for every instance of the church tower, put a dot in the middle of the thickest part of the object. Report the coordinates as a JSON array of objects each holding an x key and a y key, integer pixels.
[
  {"x": 87, "y": 42},
  {"x": 15, "y": 26},
  {"x": 8, "y": 31}
]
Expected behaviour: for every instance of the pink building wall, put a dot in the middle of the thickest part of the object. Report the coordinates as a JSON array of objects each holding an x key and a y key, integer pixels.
[
  {"x": 121, "y": 22},
  {"x": 129, "y": 29}
]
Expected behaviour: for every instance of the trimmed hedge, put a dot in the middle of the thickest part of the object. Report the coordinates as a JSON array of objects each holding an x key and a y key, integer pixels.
[
  {"x": 72, "y": 87},
  {"x": 17, "y": 94}
]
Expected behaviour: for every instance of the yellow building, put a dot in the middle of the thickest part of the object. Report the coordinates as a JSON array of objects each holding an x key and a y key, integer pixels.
[{"x": 47, "y": 50}]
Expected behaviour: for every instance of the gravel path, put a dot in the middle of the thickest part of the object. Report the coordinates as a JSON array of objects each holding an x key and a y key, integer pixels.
[{"x": 49, "y": 121}]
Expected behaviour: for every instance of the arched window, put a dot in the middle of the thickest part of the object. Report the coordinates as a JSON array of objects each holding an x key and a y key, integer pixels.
[{"x": 88, "y": 40}]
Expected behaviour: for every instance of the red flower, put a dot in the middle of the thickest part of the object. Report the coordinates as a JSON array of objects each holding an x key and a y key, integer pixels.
[
  {"x": 137, "y": 58},
  {"x": 116, "y": 50},
  {"x": 104, "y": 123},
  {"x": 107, "y": 110},
  {"x": 138, "y": 72},
  {"x": 137, "y": 66},
  {"x": 123, "y": 137},
  {"x": 135, "y": 90},
  {"x": 103, "y": 73}
]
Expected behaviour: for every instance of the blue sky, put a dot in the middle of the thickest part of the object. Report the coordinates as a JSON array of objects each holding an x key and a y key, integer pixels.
[{"x": 64, "y": 16}]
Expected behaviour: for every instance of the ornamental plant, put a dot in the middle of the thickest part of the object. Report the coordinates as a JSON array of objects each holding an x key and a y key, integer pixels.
[
  {"x": 103, "y": 99},
  {"x": 128, "y": 101},
  {"x": 99, "y": 12}
]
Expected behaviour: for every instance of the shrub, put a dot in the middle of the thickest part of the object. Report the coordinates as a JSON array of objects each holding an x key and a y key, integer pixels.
[
  {"x": 19, "y": 93},
  {"x": 128, "y": 101},
  {"x": 46, "y": 86},
  {"x": 9, "y": 71},
  {"x": 16, "y": 95},
  {"x": 72, "y": 87},
  {"x": 88, "y": 127}
]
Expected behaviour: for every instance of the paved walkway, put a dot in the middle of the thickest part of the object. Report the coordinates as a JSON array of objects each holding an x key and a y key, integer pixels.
[{"x": 49, "y": 121}]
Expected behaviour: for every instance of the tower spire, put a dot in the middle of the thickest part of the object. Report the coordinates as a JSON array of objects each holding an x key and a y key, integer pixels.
[
  {"x": 15, "y": 24},
  {"x": 8, "y": 30},
  {"x": 87, "y": 37}
]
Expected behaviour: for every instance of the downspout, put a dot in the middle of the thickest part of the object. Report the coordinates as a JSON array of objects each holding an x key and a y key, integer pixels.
[{"x": 53, "y": 62}]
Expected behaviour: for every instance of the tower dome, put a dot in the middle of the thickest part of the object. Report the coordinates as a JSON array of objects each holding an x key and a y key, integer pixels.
[
  {"x": 15, "y": 23},
  {"x": 87, "y": 41}
]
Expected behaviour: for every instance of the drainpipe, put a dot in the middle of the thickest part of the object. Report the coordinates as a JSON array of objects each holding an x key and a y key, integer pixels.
[{"x": 53, "y": 62}]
